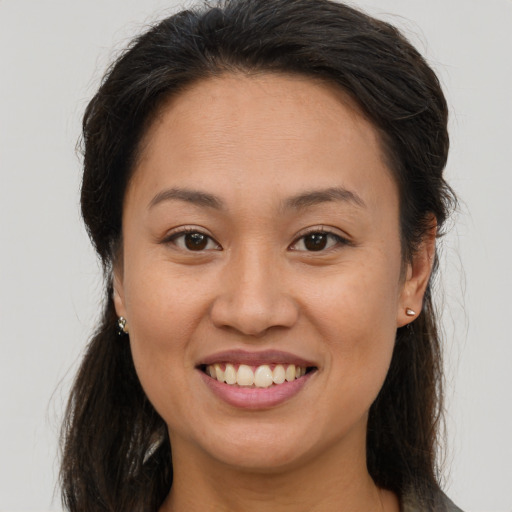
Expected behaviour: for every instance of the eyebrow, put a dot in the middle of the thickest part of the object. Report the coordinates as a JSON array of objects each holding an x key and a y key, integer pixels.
[
  {"x": 195, "y": 197},
  {"x": 326, "y": 195},
  {"x": 298, "y": 202}
]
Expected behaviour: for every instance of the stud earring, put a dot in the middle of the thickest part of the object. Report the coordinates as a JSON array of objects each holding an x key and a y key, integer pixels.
[
  {"x": 121, "y": 324},
  {"x": 410, "y": 312}
]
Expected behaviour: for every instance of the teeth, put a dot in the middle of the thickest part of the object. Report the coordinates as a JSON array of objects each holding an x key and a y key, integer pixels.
[
  {"x": 245, "y": 376},
  {"x": 261, "y": 377},
  {"x": 279, "y": 374},
  {"x": 290, "y": 373},
  {"x": 230, "y": 374},
  {"x": 219, "y": 373}
]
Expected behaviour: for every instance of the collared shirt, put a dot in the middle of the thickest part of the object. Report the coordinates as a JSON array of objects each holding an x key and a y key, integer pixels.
[{"x": 437, "y": 502}]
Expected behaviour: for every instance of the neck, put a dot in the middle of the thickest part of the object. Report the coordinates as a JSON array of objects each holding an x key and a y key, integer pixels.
[{"x": 336, "y": 481}]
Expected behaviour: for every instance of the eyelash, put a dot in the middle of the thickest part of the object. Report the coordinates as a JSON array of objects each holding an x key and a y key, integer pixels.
[
  {"x": 173, "y": 237},
  {"x": 339, "y": 240}
]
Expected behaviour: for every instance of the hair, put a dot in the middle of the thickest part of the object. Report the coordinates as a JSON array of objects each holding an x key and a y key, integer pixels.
[{"x": 116, "y": 449}]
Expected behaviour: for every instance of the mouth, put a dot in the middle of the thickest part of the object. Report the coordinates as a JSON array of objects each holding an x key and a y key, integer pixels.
[
  {"x": 256, "y": 380},
  {"x": 264, "y": 375}
]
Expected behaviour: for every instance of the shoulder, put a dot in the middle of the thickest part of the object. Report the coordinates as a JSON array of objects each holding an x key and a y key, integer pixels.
[{"x": 436, "y": 501}]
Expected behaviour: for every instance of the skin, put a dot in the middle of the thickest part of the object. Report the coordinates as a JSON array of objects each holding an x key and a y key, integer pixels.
[{"x": 254, "y": 142}]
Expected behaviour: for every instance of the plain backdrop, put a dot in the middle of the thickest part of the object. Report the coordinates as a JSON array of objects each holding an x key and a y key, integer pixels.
[{"x": 52, "y": 55}]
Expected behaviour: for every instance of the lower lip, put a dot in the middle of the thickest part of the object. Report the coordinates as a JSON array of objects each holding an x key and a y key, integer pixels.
[{"x": 255, "y": 398}]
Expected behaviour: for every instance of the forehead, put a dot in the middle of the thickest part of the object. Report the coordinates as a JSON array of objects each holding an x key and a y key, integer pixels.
[
  {"x": 295, "y": 106},
  {"x": 264, "y": 132}
]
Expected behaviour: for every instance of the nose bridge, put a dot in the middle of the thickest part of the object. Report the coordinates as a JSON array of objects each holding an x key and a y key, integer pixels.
[
  {"x": 256, "y": 276},
  {"x": 253, "y": 296}
]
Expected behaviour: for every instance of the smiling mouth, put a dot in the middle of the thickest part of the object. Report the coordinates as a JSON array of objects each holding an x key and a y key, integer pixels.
[{"x": 262, "y": 376}]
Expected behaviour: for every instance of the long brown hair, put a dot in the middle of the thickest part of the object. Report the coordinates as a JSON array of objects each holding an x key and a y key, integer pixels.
[{"x": 116, "y": 450}]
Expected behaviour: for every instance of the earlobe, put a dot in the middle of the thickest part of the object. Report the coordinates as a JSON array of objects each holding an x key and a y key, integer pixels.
[
  {"x": 417, "y": 279},
  {"x": 118, "y": 295}
]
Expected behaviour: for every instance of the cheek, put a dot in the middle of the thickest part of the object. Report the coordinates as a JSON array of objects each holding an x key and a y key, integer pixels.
[
  {"x": 354, "y": 298},
  {"x": 355, "y": 312},
  {"x": 164, "y": 311},
  {"x": 161, "y": 300}
]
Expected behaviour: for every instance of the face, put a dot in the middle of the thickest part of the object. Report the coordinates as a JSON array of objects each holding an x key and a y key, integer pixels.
[{"x": 261, "y": 235}]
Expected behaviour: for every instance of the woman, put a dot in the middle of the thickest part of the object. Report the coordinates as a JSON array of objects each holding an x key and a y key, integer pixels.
[{"x": 263, "y": 184}]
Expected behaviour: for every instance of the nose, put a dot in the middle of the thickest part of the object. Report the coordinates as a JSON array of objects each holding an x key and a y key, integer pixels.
[{"x": 253, "y": 296}]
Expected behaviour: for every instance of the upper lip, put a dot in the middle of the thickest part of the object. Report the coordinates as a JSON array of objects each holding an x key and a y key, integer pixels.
[{"x": 256, "y": 358}]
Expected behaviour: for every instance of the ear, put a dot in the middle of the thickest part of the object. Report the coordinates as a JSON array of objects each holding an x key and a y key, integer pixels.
[
  {"x": 119, "y": 301},
  {"x": 416, "y": 280}
]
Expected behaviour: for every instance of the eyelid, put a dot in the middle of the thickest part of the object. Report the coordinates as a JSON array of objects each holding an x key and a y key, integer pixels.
[
  {"x": 342, "y": 239},
  {"x": 175, "y": 233}
]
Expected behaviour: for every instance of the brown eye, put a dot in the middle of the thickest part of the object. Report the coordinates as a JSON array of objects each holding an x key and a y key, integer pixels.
[
  {"x": 316, "y": 241},
  {"x": 196, "y": 241}
]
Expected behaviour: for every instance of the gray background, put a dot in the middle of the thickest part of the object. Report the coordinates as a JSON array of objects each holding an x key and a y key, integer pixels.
[{"x": 52, "y": 55}]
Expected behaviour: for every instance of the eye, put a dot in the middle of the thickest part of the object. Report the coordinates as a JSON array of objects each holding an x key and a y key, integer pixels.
[
  {"x": 193, "y": 240},
  {"x": 318, "y": 241}
]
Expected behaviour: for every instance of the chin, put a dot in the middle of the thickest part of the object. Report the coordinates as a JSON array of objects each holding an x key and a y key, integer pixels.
[
  {"x": 257, "y": 447},
  {"x": 264, "y": 459}
]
